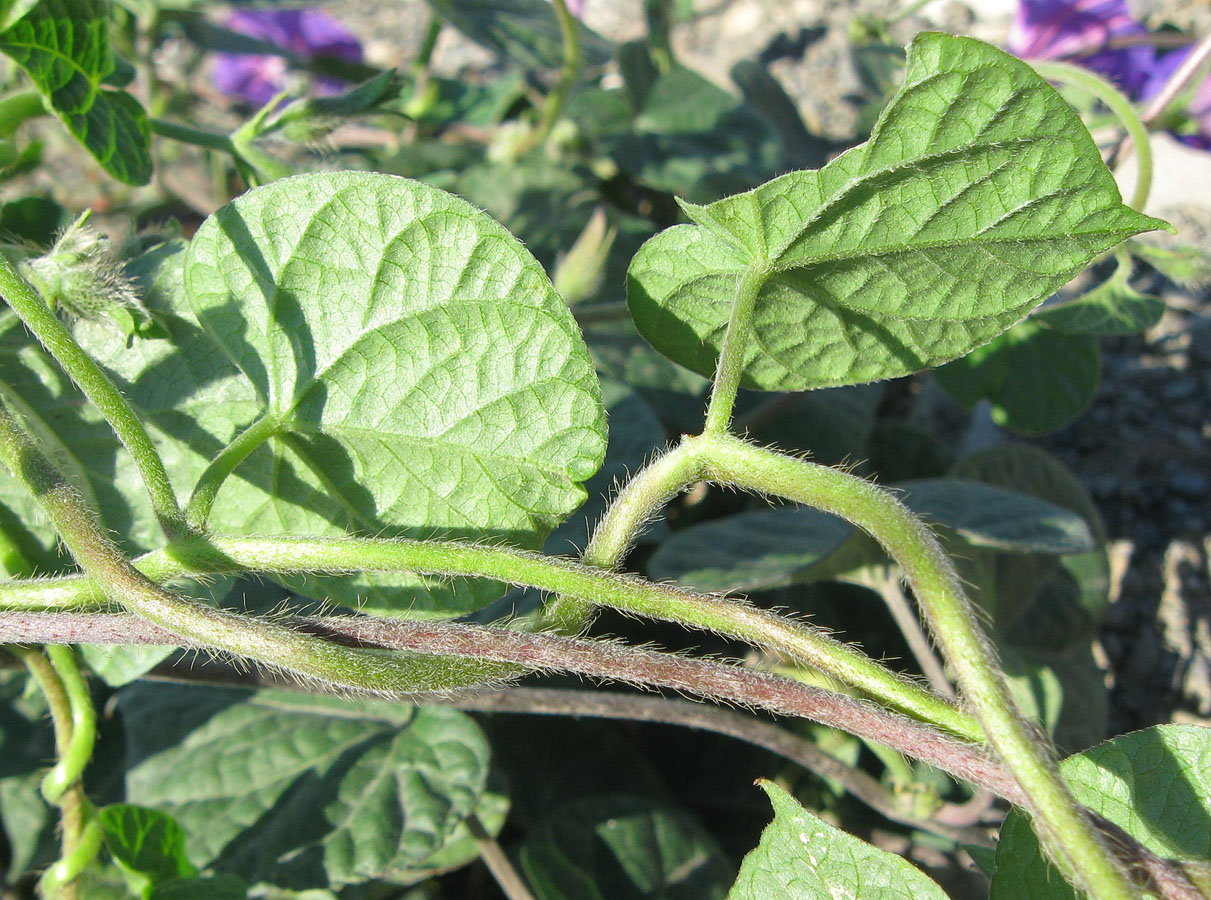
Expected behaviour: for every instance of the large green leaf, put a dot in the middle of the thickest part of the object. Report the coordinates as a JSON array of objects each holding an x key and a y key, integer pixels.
[
  {"x": 802, "y": 857},
  {"x": 979, "y": 193},
  {"x": 421, "y": 374},
  {"x": 302, "y": 792},
  {"x": 64, "y": 46},
  {"x": 1155, "y": 784}
]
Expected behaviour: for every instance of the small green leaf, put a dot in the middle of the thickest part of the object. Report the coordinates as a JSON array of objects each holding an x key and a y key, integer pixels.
[
  {"x": 421, "y": 375},
  {"x": 145, "y": 841},
  {"x": 749, "y": 551},
  {"x": 118, "y": 664},
  {"x": 802, "y": 857},
  {"x": 623, "y": 848},
  {"x": 1036, "y": 379},
  {"x": 989, "y": 516},
  {"x": 979, "y": 193},
  {"x": 1113, "y": 307},
  {"x": 1154, "y": 784},
  {"x": 64, "y": 47}
]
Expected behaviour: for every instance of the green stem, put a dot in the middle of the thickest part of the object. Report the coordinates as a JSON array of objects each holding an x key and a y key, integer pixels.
[
  {"x": 175, "y": 131},
  {"x": 569, "y": 30},
  {"x": 282, "y": 556},
  {"x": 70, "y": 709},
  {"x": 208, "y": 485},
  {"x": 637, "y": 503},
  {"x": 936, "y": 585},
  {"x": 736, "y": 341},
  {"x": 97, "y": 387},
  {"x": 1118, "y": 104},
  {"x": 425, "y": 52},
  {"x": 79, "y": 750},
  {"x": 275, "y": 645},
  {"x": 17, "y": 109}
]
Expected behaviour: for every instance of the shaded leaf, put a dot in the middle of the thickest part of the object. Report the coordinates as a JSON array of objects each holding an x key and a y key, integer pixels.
[
  {"x": 1036, "y": 379},
  {"x": 525, "y": 31},
  {"x": 211, "y": 887},
  {"x": 1113, "y": 307},
  {"x": 302, "y": 792},
  {"x": 623, "y": 848},
  {"x": 749, "y": 551},
  {"x": 802, "y": 857},
  {"x": 988, "y": 516},
  {"x": 64, "y": 47},
  {"x": 1154, "y": 784},
  {"x": 978, "y": 194}
]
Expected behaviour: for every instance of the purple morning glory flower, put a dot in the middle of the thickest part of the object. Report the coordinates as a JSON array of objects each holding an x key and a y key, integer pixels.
[
  {"x": 308, "y": 33},
  {"x": 1056, "y": 29}
]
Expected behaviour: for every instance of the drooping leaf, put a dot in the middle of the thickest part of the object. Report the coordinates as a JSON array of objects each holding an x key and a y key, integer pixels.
[
  {"x": 525, "y": 31},
  {"x": 302, "y": 792},
  {"x": 1154, "y": 784},
  {"x": 145, "y": 842},
  {"x": 208, "y": 887},
  {"x": 64, "y": 47},
  {"x": 749, "y": 551},
  {"x": 1005, "y": 519},
  {"x": 979, "y": 193},
  {"x": 623, "y": 848},
  {"x": 421, "y": 374},
  {"x": 1036, "y": 378},
  {"x": 802, "y": 857},
  {"x": 1113, "y": 307}
]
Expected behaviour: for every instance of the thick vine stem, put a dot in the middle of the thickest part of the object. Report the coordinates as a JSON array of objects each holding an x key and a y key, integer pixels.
[
  {"x": 100, "y": 391},
  {"x": 265, "y": 642},
  {"x": 280, "y": 556},
  {"x": 1064, "y": 829}
]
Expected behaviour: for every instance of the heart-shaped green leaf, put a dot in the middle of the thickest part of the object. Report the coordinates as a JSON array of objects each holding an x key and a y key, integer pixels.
[
  {"x": 64, "y": 46},
  {"x": 979, "y": 193},
  {"x": 803, "y": 857},
  {"x": 418, "y": 372}
]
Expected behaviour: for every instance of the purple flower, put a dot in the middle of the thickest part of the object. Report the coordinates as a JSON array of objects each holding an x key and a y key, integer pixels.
[
  {"x": 1055, "y": 29},
  {"x": 306, "y": 33}
]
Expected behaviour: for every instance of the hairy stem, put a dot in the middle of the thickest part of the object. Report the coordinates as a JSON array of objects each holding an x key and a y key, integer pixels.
[
  {"x": 207, "y": 487},
  {"x": 494, "y": 858},
  {"x": 266, "y": 642},
  {"x": 1118, "y": 104},
  {"x": 100, "y": 391},
  {"x": 650, "y": 668},
  {"x": 636, "y": 504},
  {"x": 596, "y": 659},
  {"x": 736, "y": 341},
  {"x": 1026, "y": 753},
  {"x": 234, "y": 555}
]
